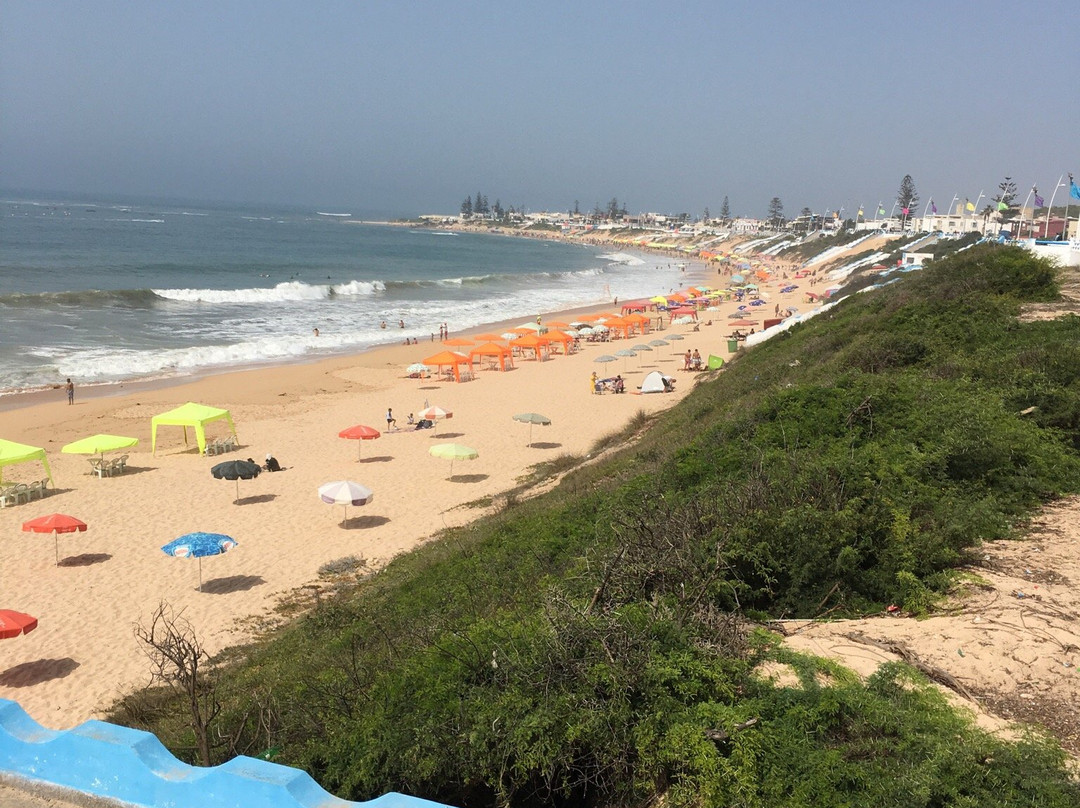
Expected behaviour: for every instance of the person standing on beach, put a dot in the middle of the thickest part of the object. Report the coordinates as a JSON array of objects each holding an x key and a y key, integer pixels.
[
  {"x": 390, "y": 420},
  {"x": 70, "y": 391}
]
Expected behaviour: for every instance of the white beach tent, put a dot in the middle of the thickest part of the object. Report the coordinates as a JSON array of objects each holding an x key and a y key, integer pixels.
[{"x": 654, "y": 383}]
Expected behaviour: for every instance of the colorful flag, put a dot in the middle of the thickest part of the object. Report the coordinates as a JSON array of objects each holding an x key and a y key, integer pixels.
[
  {"x": 860, "y": 212},
  {"x": 1002, "y": 206},
  {"x": 933, "y": 207},
  {"x": 968, "y": 204},
  {"x": 1038, "y": 199},
  {"x": 906, "y": 211},
  {"x": 881, "y": 210},
  {"x": 1074, "y": 192}
]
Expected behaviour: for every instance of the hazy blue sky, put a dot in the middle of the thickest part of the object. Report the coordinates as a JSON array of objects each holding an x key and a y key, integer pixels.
[{"x": 408, "y": 107}]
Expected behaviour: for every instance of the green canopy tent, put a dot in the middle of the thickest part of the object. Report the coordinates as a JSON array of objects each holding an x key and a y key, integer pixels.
[
  {"x": 197, "y": 416},
  {"x": 11, "y": 452}
]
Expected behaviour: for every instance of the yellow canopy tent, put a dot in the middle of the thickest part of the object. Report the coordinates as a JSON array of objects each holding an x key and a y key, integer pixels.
[
  {"x": 191, "y": 414},
  {"x": 11, "y": 452}
]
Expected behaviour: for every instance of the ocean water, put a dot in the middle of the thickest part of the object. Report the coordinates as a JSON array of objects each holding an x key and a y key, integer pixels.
[{"x": 102, "y": 291}]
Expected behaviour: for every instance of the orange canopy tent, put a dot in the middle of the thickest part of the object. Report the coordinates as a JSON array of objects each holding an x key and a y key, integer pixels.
[
  {"x": 501, "y": 352},
  {"x": 639, "y": 320},
  {"x": 448, "y": 359},
  {"x": 620, "y": 324},
  {"x": 534, "y": 343},
  {"x": 558, "y": 336}
]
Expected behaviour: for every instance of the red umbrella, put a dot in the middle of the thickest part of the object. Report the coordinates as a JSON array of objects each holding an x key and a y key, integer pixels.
[
  {"x": 12, "y": 624},
  {"x": 54, "y": 523},
  {"x": 359, "y": 433}
]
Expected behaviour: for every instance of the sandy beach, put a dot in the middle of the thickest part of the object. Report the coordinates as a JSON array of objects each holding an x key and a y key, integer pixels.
[{"x": 84, "y": 654}]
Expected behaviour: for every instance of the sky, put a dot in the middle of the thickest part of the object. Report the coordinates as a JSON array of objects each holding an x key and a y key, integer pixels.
[{"x": 404, "y": 108}]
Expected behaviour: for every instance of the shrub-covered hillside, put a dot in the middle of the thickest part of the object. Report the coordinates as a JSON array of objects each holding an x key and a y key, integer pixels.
[{"x": 597, "y": 645}]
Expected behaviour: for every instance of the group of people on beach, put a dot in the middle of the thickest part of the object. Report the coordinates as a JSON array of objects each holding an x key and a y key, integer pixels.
[{"x": 693, "y": 361}]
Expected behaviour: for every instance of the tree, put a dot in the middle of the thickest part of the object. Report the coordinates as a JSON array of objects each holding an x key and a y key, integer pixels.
[
  {"x": 178, "y": 661},
  {"x": 497, "y": 211},
  {"x": 1005, "y": 198},
  {"x": 466, "y": 207},
  {"x": 705, "y": 216},
  {"x": 613, "y": 209},
  {"x": 776, "y": 213},
  {"x": 906, "y": 198},
  {"x": 725, "y": 211},
  {"x": 577, "y": 210}
]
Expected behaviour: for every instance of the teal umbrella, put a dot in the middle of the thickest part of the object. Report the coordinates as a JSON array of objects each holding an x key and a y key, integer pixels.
[{"x": 531, "y": 418}]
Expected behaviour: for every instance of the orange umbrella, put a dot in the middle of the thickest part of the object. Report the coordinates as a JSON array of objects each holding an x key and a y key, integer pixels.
[
  {"x": 458, "y": 342},
  {"x": 55, "y": 523},
  {"x": 449, "y": 359},
  {"x": 359, "y": 433},
  {"x": 487, "y": 337}
]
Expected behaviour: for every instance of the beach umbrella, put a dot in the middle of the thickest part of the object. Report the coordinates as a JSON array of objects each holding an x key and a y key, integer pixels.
[
  {"x": 417, "y": 369},
  {"x": 197, "y": 545},
  {"x": 684, "y": 320},
  {"x": 434, "y": 414},
  {"x": 626, "y": 353},
  {"x": 509, "y": 335},
  {"x": 99, "y": 444},
  {"x": 737, "y": 315},
  {"x": 605, "y": 358},
  {"x": 359, "y": 433},
  {"x": 452, "y": 452},
  {"x": 345, "y": 492},
  {"x": 658, "y": 343},
  {"x": 486, "y": 337},
  {"x": 674, "y": 336},
  {"x": 531, "y": 418},
  {"x": 55, "y": 523},
  {"x": 236, "y": 470},
  {"x": 458, "y": 342},
  {"x": 12, "y": 624}
]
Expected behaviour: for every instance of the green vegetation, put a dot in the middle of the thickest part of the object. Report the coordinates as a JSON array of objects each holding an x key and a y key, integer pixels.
[{"x": 595, "y": 646}]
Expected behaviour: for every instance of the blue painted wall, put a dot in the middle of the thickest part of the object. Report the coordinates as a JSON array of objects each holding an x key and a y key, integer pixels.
[{"x": 106, "y": 760}]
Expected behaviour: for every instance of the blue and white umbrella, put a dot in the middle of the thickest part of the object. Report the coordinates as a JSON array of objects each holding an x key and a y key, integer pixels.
[{"x": 197, "y": 545}]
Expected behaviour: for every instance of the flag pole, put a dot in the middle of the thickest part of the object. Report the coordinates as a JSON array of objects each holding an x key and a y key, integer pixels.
[
  {"x": 976, "y": 211},
  {"x": 1046, "y": 230},
  {"x": 1020, "y": 227},
  {"x": 1065, "y": 234}
]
